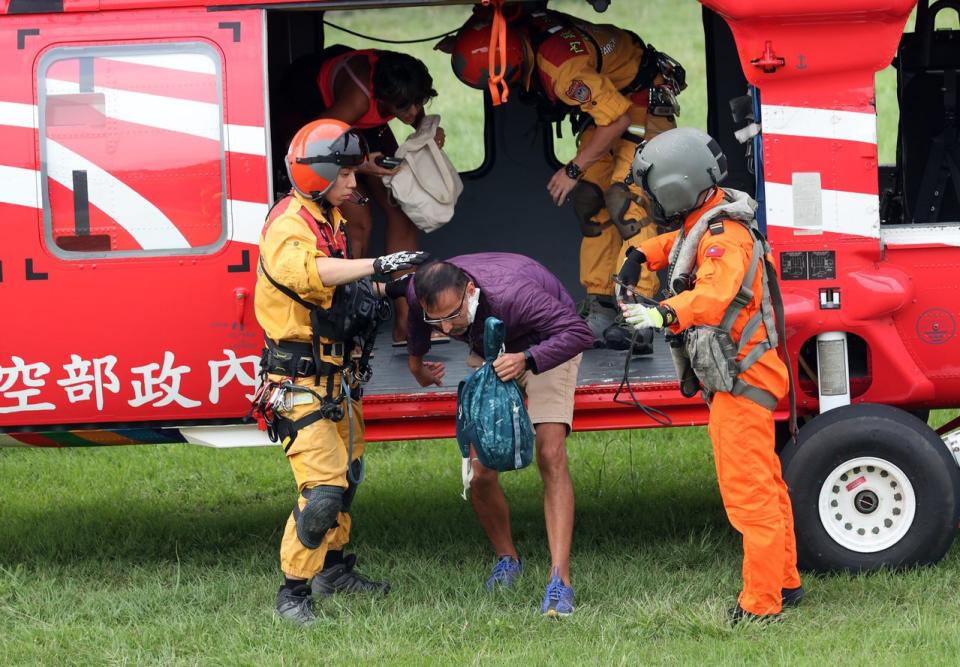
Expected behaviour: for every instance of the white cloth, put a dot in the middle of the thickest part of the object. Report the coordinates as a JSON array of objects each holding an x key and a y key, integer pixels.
[{"x": 426, "y": 184}]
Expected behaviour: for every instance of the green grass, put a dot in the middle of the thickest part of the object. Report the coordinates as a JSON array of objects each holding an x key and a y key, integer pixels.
[{"x": 168, "y": 555}]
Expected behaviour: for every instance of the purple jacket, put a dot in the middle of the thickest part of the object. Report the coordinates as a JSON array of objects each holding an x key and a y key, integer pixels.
[{"x": 538, "y": 313}]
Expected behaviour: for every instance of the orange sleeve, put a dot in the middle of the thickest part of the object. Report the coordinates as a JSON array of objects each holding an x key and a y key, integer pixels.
[
  {"x": 721, "y": 265},
  {"x": 658, "y": 250}
]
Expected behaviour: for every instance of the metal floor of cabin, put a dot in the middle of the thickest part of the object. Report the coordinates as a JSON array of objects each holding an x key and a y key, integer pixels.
[{"x": 599, "y": 367}]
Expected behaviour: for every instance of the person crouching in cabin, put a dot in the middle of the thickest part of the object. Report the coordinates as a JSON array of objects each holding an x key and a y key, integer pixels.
[
  {"x": 314, "y": 303},
  {"x": 544, "y": 346},
  {"x": 608, "y": 79},
  {"x": 366, "y": 89},
  {"x": 721, "y": 283}
]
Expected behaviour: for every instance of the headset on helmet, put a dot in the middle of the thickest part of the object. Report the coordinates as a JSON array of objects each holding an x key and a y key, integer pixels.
[
  {"x": 470, "y": 56},
  {"x": 318, "y": 151},
  {"x": 678, "y": 170}
]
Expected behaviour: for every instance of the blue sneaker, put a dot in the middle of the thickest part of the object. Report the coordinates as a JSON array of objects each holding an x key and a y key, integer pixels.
[
  {"x": 505, "y": 572},
  {"x": 558, "y": 600}
]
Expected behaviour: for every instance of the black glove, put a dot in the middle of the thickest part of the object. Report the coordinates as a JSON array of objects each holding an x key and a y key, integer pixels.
[
  {"x": 396, "y": 289},
  {"x": 630, "y": 271},
  {"x": 398, "y": 261}
]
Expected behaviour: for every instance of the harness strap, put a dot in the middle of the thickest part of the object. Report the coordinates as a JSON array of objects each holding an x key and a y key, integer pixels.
[
  {"x": 749, "y": 329},
  {"x": 647, "y": 70},
  {"x": 755, "y": 394},
  {"x": 777, "y": 298},
  {"x": 287, "y": 429},
  {"x": 745, "y": 295},
  {"x": 758, "y": 350}
]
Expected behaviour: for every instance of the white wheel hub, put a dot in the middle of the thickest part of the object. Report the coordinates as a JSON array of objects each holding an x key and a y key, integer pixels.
[{"x": 867, "y": 504}]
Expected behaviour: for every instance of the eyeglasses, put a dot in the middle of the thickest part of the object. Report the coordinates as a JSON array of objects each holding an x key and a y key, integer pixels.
[{"x": 437, "y": 321}]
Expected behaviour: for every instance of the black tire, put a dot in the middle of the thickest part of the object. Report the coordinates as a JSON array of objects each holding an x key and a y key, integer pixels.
[{"x": 889, "y": 435}]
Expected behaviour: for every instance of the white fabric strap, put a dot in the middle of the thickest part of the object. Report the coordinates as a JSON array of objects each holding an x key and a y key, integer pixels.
[{"x": 466, "y": 475}]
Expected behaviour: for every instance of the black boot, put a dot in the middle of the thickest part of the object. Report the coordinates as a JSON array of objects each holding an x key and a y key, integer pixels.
[
  {"x": 738, "y": 614},
  {"x": 621, "y": 336},
  {"x": 342, "y": 578},
  {"x": 295, "y": 604},
  {"x": 792, "y": 596}
]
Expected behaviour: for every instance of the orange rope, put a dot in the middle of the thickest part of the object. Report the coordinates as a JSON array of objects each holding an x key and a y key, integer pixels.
[{"x": 498, "y": 47}]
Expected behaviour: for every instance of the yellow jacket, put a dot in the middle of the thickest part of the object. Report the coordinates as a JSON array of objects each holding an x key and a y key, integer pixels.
[
  {"x": 289, "y": 248},
  {"x": 567, "y": 66}
]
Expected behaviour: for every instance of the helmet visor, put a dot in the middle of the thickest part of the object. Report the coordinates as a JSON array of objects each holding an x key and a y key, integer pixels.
[{"x": 349, "y": 150}]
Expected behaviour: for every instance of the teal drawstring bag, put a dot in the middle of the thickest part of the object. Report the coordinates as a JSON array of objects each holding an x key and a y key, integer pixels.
[{"x": 491, "y": 415}]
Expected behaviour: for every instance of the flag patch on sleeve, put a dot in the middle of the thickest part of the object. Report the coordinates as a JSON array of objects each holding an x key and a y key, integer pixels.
[{"x": 714, "y": 251}]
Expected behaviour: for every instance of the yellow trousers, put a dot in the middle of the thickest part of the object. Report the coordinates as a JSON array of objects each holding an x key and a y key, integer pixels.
[
  {"x": 601, "y": 256},
  {"x": 319, "y": 457}
]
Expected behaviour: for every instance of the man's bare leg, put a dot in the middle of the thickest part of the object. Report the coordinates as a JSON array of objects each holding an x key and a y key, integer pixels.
[
  {"x": 558, "y": 499},
  {"x": 490, "y": 506}
]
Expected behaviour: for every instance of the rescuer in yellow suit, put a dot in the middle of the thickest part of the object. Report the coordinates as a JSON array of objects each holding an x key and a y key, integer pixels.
[
  {"x": 315, "y": 304},
  {"x": 614, "y": 81}
]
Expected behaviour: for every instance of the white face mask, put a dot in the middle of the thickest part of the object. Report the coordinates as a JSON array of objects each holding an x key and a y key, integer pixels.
[{"x": 472, "y": 303}]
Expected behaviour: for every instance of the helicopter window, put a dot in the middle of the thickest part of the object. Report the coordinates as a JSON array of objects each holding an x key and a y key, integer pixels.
[{"x": 132, "y": 150}]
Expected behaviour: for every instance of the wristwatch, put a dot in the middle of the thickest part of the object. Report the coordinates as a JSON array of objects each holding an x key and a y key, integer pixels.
[
  {"x": 573, "y": 170},
  {"x": 528, "y": 361}
]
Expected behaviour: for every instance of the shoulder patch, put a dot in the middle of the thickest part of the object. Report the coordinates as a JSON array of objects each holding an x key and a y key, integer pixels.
[
  {"x": 714, "y": 251},
  {"x": 716, "y": 227},
  {"x": 579, "y": 91}
]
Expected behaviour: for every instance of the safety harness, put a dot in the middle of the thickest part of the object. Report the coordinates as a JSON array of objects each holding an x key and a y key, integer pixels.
[
  {"x": 711, "y": 351},
  {"x": 355, "y": 313}
]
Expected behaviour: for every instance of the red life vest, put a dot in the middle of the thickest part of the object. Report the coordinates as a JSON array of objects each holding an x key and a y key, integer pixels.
[{"x": 329, "y": 71}]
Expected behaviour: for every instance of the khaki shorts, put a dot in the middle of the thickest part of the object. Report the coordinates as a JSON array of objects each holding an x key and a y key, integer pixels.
[{"x": 549, "y": 394}]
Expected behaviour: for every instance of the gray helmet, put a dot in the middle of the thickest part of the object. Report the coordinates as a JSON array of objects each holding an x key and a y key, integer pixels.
[{"x": 678, "y": 169}]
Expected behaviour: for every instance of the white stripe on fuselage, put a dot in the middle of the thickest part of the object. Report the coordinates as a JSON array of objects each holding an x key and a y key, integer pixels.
[
  {"x": 196, "y": 63},
  {"x": 137, "y": 215},
  {"x": 21, "y": 187},
  {"x": 819, "y": 123},
  {"x": 931, "y": 234},
  {"x": 842, "y": 212}
]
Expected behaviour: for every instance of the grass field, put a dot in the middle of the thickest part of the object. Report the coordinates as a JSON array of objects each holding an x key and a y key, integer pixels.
[{"x": 168, "y": 554}]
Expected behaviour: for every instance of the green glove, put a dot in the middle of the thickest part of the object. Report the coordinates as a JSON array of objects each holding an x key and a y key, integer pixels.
[{"x": 642, "y": 317}]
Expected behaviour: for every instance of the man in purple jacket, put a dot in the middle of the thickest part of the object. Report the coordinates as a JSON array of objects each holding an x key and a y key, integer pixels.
[{"x": 545, "y": 341}]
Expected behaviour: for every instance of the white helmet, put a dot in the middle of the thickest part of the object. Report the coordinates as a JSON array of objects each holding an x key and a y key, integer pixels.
[{"x": 678, "y": 170}]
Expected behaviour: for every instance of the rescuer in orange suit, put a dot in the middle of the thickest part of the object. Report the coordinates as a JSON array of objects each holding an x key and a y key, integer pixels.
[
  {"x": 610, "y": 80},
  {"x": 315, "y": 303},
  {"x": 721, "y": 285}
]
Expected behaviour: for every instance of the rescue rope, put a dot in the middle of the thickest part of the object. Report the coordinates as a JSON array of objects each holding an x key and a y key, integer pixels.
[
  {"x": 390, "y": 41},
  {"x": 655, "y": 414}
]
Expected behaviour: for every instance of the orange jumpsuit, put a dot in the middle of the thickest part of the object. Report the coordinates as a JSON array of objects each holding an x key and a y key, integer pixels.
[
  {"x": 748, "y": 470},
  {"x": 567, "y": 67},
  {"x": 318, "y": 456}
]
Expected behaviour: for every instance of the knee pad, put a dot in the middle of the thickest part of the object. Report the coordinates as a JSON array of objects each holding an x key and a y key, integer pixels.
[
  {"x": 319, "y": 514},
  {"x": 617, "y": 199},
  {"x": 587, "y": 200}
]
